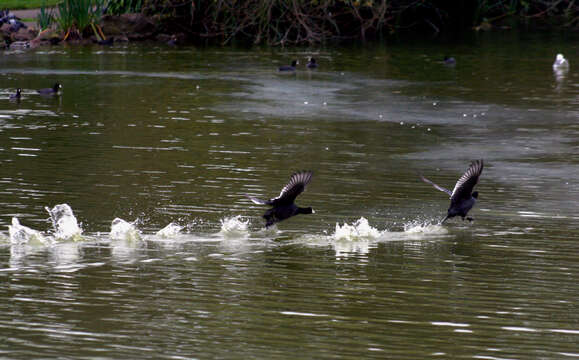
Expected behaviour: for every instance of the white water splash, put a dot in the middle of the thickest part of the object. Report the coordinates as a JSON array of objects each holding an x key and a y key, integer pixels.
[
  {"x": 360, "y": 237},
  {"x": 64, "y": 222},
  {"x": 355, "y": 238},
  {"x": 122, "y": 230},
  {"x": 425, "y": 228},
  {"x": 416, "y": 231},
  {"x": 346, "y": 248},
  {"x": 170, "y": 231},
  {"x": 234, "y": 227},
  {"x": 20, "y": 234},
  {"x": 360, "y": 230}
]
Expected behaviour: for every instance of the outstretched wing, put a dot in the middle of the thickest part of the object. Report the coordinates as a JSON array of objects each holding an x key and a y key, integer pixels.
[
  {"x": 294, "y": 187},
  {"x": 438, "y": 187},
  {"x": 465, "y": 184},
  {"x": 258, "y": 201}
]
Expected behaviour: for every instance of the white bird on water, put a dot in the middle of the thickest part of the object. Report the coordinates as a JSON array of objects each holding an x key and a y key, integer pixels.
[{"x": 560, "y": 62}]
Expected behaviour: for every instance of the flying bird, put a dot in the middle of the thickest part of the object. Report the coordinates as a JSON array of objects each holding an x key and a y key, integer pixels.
[
  {"x": 462, "y": 198},
  {"x": 283, "y": 206}
]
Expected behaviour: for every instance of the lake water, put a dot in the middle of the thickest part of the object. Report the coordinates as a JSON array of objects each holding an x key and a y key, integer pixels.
[{"x": 159, "y": 136}]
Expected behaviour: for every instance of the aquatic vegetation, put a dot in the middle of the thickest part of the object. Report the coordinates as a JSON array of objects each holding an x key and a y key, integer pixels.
[
  {"x": 27, "y": 4},
  {"x": 75, "y": 17},
  {"x": 45, "y": 17},
  {"x": 118, "y": 7}
]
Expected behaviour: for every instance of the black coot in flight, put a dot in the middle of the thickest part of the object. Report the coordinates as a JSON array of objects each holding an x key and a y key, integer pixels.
[
  {"x": 283, "y": 206},
  {"x": 462, "y": 198}
]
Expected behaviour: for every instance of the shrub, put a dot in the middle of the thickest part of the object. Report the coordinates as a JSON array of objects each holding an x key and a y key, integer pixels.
[
  {"x": 76, "y": 16},
  {"x": 45, "y": 17}
]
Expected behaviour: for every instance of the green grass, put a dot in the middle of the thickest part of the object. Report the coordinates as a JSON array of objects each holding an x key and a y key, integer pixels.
[{"x": 26, "y": 4}]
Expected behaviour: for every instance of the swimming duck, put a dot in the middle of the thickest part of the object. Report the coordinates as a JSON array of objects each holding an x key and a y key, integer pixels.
[
  {"x": 291, "y": 67},
  {"x": 283, "y": 206},
  {"x": 560, "y": 62},
  {"x": 312, "y": 64},
  {"x": 17, "y": 95},
  {"x": 449, "y": 60},
  {"x": 106, "y": 42},
  {"x": 50, "y": 91},
  {"x": 462, "y": 199},
  {"x": 172, "y": 41}
]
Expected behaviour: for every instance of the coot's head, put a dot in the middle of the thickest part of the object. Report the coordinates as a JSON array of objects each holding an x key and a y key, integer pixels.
[
  {"x": 56, "y": 87},
  {"x": 312, "y": 63},
  {"x": 17, "y": 95},
  {"x": 475, "y": 194},
  {"x": 294, "y": 63}
]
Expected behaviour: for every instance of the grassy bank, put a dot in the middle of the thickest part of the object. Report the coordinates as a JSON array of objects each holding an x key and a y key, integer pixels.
[{"x": 26, "y": 4}]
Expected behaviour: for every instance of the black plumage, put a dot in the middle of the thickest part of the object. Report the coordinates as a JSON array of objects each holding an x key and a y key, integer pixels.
[
  {"x": 283, "y": 206},
  {"x": 16, "y": 96},
  {"x": 462, "y": 198},
  {"x": 312, "y": 64},
  {"x": 291, "y": 67},
  {"x": 448, "y": 60},
  {"x": 50, "y": 91}
]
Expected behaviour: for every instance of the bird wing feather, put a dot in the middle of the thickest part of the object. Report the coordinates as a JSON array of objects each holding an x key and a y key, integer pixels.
[
  {"x": 295, "y": 186},
  {"x": 438, "y": 187},
  {"x": 468, "y": 180},
  {"x": 258, "y": 201}
]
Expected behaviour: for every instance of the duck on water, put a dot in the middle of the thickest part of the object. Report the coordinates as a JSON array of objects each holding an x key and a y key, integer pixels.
[
  {"x": 291, "y": 67},
  {"x": 16, "y": 96},
  {"x": 50, "y": 91}
]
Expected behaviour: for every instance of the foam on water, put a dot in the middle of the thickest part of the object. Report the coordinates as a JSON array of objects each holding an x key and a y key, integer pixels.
[
  {"x": 170, "y": 231},
  {"x": 360, "y": 230},
  {"x": 355, "y": 238},
  {"x": 64, "y": 223},
  {"x": 234, "y": 227},
  {"x": 416, "y": 230},
  {"x": 123, "y": 230},
  {"x": 359, "y": 237},
  {"x": 20, "y": 234},
  {"x": 425, "y": 228}
]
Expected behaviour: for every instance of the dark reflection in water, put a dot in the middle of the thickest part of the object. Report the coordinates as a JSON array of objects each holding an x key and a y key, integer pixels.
[{"x": 157, "y": 135}]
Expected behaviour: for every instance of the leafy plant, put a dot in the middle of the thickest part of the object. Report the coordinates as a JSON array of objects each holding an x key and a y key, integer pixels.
[
  {"x": 118, "y": 7},
  {"x": 76, "y": 16},
  {"x": 45, "y": 17}
]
